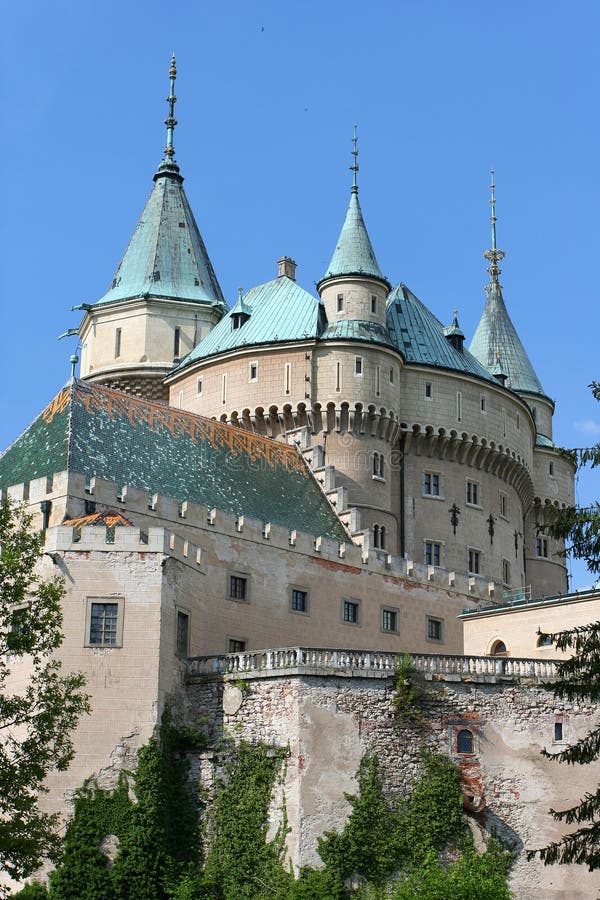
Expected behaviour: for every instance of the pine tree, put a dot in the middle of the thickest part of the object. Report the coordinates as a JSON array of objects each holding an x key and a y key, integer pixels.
[{"x": 579, "y": 679}]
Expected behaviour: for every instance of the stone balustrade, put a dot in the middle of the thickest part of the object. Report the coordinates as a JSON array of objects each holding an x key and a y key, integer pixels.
[{"x": 369, "y": 663}]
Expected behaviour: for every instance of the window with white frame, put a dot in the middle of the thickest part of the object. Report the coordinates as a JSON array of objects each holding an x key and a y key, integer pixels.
[
  {"x": 104, "y": 622},
  {"x": 431, "y": 484},
  {"x": 287, "y": 380},
  {"x": 340, "y": 302},
  {"x": 350, "y": 612},
  {"x": 253, "y": 371},
  {"x": 435, "y": 629},
  {"x": 389, "y": 619},
  {"x": 224, "y": 388},
  {"x": 474, "y": 561},
  {"x": 379, "y": 536},
  {"x": 473, "y": 493},
  {"x": 541, "y": 547},
  {"x": 373, "y": 304},
  {"x": 506, "y": 572},
  {"x": 198, "y": 386},
  {"x": 358, "y": 365},
  {"x": 378, "y": 465},
  {"x": 433, "y": 553},
  {"x": 428, "y": 390},
  {"x": 458, "y": 406},
  {"x": 503, "y": 505},
  {"x": 338, "y": 376},
  {"x": 117, "y": 342}
]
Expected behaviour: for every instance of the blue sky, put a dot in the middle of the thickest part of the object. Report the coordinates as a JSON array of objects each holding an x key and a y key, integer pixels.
[{"x": 268, "y": 93}]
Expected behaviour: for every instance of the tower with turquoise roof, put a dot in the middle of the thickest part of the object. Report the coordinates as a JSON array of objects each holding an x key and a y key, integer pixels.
[{"x": 164, "y": 297}]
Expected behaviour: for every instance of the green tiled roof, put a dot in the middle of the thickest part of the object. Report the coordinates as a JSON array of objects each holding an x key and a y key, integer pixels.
[
  {"x": 495, "y": 334},
  {"x": 166, "y": 256},
  {"x": 420, "y": 336},
  {"x": 279, "y": 310},
  {"x": 542, "y": 440},
  {"x": 354, "y": 254},
  {"x": 93, "y": 430}
]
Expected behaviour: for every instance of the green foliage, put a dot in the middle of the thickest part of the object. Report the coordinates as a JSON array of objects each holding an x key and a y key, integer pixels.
[
  {"x": 579, "y": 683},
  {"x": 363, "y": 847},
  {"x": 157, "y": 834},
  {"x": 35, "y": 724},
  {"x": 578, "y": 679},
  {"x": 472, "y": 877},
  {"x": 32, "y": 891},
  {"x": 409, "y": 691},
  {"x": 241, "y": 862}
]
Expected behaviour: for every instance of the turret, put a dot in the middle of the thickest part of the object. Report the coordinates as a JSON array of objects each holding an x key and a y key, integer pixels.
[
  {"x": 164, "y": 297},
  {"x": 353, "y": 287}
]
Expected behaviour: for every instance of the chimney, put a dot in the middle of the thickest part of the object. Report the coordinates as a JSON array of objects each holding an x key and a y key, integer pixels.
[{"x": 287, "y": 267}]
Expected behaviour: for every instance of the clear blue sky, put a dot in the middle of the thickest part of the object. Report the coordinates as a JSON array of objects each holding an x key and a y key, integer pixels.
[{"x": 268, "y": 93}]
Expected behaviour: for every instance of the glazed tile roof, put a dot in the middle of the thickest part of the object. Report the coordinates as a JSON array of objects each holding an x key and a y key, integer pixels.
[
  {"x": 93, "y": 430},
  {"x": 420, "y": 336},
  {"x": 496, "y": 334},
  {"x": 357, "y": 330},
  {"x": 354, "y": 254},
  {"x": 166, "y": 256},
  {"x": 542, "y": 440},
  {"x": 280, "y": 310}
]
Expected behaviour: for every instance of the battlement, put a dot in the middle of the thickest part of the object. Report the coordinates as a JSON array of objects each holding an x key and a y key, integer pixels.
[{"x": 180, "y": 524}]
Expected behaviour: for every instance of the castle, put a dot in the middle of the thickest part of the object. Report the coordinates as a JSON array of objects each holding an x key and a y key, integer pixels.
[{"x": 298, "y": 471}]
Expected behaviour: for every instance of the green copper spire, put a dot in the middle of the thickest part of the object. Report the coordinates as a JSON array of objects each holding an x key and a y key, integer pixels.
[
  {"x": 496, "y": 343},
  {"x": 354, "y": 254},
  {"x": 166, "y": 256}
]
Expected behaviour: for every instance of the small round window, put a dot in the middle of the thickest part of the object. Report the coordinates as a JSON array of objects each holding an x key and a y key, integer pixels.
[{"x": 464, "y": 741}]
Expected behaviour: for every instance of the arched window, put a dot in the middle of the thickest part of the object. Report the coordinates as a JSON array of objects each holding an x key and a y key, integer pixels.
[
  {"x": 464, "y": 741},
  {"x": 379, "y": 537},
  {"x": 378, "y": 465},
  {"x": 499, "y": 649},
  {"x": 376, "y": 535},
  {"x": 382, "y": 537}
]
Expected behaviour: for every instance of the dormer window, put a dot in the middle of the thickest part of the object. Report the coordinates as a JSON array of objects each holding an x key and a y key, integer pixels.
[{"x": 238, "y": 320}]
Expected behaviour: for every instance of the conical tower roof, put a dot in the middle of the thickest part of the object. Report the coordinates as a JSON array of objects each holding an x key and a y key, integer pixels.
[
  {"x": 166, "y": 256},
  {"x": 495, "y": 336},
  {"x": 354, "y": 254}
]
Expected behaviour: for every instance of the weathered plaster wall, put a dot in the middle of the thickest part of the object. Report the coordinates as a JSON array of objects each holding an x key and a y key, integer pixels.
[{"x": 329, "y": 722}]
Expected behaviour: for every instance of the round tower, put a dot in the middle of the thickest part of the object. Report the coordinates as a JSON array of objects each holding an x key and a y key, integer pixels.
[{"x": 164, "y": 297}]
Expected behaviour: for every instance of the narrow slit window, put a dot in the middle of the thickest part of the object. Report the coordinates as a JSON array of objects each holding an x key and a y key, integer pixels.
[
  {"x": 224, "y": 389},
  {"x": 117, "y": 343},
  {"x": 377, "y": 381},
  {"x": 458, "y": 406},
  {"x": 338, "y": 376},
  {"x": 176, "y": 343},
  {"x": 288, "y": 378}
]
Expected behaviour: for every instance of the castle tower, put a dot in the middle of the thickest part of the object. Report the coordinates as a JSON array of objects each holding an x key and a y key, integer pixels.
[
  {"x": 497, "y": 346},
  {"x": 164, "y": 297}
]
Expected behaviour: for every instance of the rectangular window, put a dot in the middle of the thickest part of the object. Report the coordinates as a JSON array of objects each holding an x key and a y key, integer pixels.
[
  {"x": 389, "y": 620},
  {"x": 176, "y": 342},
  {"x": 428, "y": 391},
  {"x": 253, "y": 371},
  {"x": 183, "y": 633},
  {"x": 288, "y": 378},
  {"x": 180, "y": 400},
  {"x": 374, "y": 304},
  {"x": 199, "y": 386},
  {"x": 433, "y": 553},
  {"x": 473, "y": 497},
  {"x": 238, "y": 587},
  {"x": 518, "y": 421},
  {"x": 377, "y": 381},
  {"x": 503, "y": 505},
  {"x": 506, "y": 572},
  {"x": 391, "y": 376},
  {"x": 224, "y": 389},
  {"x": 358, "y": 365},
  {"x": 551, "y": 468},
  {"x": 338, "y": 376},
  {"x": 350, "y": 612},
  {"x": 340, "y": 302},
  {"x": 235, "y": 645},
  {"x": 435, "y": 631},
  {"x": 299, "y": 600},
  {"x": 431, "y": 484},
  {"x": 504, "y": 423},
  {"x": 541, "y": 547},
  {"x": 483, "y": 407},
  {"x": 558, "y": 731},
  {"x": 103, "y": 624},
  {"x": 117, "y": 342},
  {"x": 458, "y": 406},
  {"x": 474, "y": 562}
]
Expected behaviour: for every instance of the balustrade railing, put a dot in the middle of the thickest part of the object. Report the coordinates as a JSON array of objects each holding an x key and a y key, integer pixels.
[{"x": 369, "y": 661}]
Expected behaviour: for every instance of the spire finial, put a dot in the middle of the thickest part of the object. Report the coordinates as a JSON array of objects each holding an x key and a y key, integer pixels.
[
  {"x": 494, "y": 255},
  {"x": 171, "y": 121},
  {"x": 354, "y": 166}
]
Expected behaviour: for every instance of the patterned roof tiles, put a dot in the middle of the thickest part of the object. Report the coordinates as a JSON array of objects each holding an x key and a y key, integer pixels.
[
  {"x": 354, "y": 254},
  {"x": 93, "y": 430}
]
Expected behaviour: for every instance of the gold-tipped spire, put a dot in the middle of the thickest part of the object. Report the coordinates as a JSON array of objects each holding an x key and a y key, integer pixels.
[
  {"x": 354, "y": 166},
  {"x": 171, "y": 121},
  {"x": 494, "y": 255}
]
